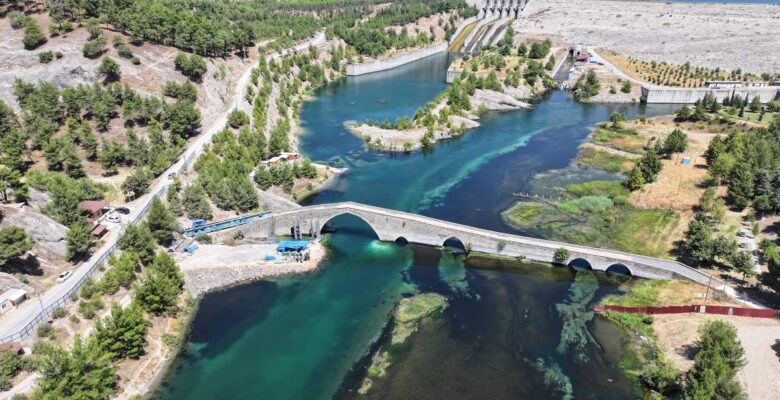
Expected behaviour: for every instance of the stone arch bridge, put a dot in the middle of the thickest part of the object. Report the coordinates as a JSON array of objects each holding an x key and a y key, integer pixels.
[{"x": 391, "y": 225}]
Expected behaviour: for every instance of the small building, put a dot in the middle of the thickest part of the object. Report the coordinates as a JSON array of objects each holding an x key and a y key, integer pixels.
[
  {"x": 723, "y": 84},
  {"x": 94, "y": 208},
  {"x": 99, "y": 230},
  {"x": 11, "y": 298},
  {"x": 735, "y": 84},
  {"x": 281, "y": 159}
]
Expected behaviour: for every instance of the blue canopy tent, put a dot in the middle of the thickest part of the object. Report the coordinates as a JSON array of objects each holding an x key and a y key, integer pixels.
[{"x": 292, "y": 245}]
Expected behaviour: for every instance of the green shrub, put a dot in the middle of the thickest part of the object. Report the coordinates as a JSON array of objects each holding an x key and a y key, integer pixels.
[
  {"x": 58, "y": 313},
  {"x": 33, "y": 37},
  {"x": 45, "y": 57},
  {"x": 561, "y": 255},
  {"x": 94, "y": 48},
  {"x": 204, "y": 238},
  {"x": 45, "y": 330}
]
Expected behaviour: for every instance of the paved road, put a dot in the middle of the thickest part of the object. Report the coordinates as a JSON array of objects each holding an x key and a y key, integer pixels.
[{"x": 16, "y": 320}]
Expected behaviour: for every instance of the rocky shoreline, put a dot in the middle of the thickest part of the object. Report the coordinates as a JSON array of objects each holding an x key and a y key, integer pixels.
[
  {"x": 204, "y": 279},
  {"x": 411, "y": 139}
]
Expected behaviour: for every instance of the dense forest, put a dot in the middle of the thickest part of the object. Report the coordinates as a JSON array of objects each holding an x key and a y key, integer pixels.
[
  {"x": 369, "y": 37},
  {"x": 221, "y": 27}
]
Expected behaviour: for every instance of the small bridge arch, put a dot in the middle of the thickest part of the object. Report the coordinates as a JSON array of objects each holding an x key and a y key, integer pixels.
[
  {"x": 580, "y": 263},
  {"x": 453, "y": 242},
  {"x": 619, "y": 269},
  {"x": 401, "y": 241}
]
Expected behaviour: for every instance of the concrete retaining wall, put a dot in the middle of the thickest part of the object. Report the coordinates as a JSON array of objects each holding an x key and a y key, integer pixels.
[
  {"x": 453, "y": 74},
  {"x": 666, "y": 95},
  {"x": 397, "y": 61}
]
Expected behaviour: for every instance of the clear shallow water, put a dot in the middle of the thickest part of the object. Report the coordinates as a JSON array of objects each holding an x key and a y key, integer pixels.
[{"x": 308, "y": 337}]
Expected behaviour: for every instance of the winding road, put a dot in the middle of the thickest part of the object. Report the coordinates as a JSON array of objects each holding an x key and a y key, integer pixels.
[{"x": 18, "y": 324}]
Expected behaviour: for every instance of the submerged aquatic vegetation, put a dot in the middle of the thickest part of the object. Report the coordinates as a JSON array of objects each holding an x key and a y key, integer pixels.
[
  {"x": 555, "y": 379},
  {"x": 575, "y": 314},
  {"x": 453, "y": 272},
  {"x": 407, "y": 316}
]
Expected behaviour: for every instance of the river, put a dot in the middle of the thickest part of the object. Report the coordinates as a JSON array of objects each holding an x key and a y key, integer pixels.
[{"x": 511, "y": 330}]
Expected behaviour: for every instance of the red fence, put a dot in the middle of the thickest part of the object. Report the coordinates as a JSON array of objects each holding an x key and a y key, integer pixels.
[{"x": 720, "y": 310}]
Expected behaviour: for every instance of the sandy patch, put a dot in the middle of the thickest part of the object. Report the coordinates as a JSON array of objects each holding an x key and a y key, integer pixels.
[
  {"x": 214, "y": 267},
  {"x": 677, "y": 334},
  {"x": 714, "y": 35}
]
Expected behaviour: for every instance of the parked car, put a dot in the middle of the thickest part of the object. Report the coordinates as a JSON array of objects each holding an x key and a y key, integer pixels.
[
  {"x": 114, "y": 217},
  {"x": 744, "y": 232},
  {"x": 122, "y": 210},
  {"x": 64, "y": 276}
]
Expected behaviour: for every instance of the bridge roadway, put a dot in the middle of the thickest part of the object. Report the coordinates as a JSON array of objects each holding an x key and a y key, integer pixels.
[{"x": 391, "y": 225}]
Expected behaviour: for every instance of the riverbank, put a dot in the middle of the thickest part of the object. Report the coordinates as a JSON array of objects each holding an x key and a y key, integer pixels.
[
  {"x": 662, "y": 347},
  {"x": 386, "y": 138},
  {"x": 217, "y": 267}
]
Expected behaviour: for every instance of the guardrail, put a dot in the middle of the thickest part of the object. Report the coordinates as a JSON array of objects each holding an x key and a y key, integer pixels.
[{"x": 46, "y": 312}]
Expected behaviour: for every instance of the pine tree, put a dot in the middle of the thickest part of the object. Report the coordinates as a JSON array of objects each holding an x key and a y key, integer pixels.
[
  {"x": 720, "y": 357},
  {"x": 138, "y": 239},
  {"x": 264, "y": 178},
  {"x": 698, "y": 239},
  {"x": 122, "y": 334},
  {"x": 79, "y": 240},
  {"x": 196, "y": 205},
  {"x": 88, "y": 142},
  {"x": 161, "y": 222},
  {"x": 71, "y": 162},
  {"x": 740, "y": 187},
  {"x": 635, "y": 179},
  {"x": 159, "y": 287},
  {"x": 69, "y": 375}
]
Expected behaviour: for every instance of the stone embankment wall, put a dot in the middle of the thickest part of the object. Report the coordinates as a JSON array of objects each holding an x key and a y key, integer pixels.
[
  {"x": 668, "y": 95},
  {"x": 397, "y": 61},
  {"x": 453, "y": 74}
]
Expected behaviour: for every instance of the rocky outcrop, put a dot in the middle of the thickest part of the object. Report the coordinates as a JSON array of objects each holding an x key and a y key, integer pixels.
[
  {"x": 47, "y": 234},
  {"x": 467, "y": 123},
  {"x": 496, "y": 101},
  {"x": 37, "y": 199}
]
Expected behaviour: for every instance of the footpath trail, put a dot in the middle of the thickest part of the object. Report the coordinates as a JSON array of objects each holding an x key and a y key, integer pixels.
[{"x": 13, "y": 323}]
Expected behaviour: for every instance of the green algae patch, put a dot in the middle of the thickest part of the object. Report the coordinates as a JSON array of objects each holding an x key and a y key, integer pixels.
[{"x": 407, "y": 316}]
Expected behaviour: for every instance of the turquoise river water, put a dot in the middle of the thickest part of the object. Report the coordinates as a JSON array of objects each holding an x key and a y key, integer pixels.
[{"x": 512, "y": 330}]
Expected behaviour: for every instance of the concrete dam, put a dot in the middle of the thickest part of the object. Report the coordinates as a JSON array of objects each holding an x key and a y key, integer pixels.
[{"x": 488, "y": 27}]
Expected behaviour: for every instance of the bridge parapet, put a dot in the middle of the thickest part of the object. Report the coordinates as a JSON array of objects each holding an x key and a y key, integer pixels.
[{"x": 390, "y": 225}]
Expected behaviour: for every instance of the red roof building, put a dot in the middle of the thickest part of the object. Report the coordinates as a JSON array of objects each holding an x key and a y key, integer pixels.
[
  {"x": 99, "y": 231},
  {"x": 93, "y": 207}
]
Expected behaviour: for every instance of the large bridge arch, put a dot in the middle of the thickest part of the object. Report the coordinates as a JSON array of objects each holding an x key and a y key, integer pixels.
[{"x": 321, "y": 223}]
